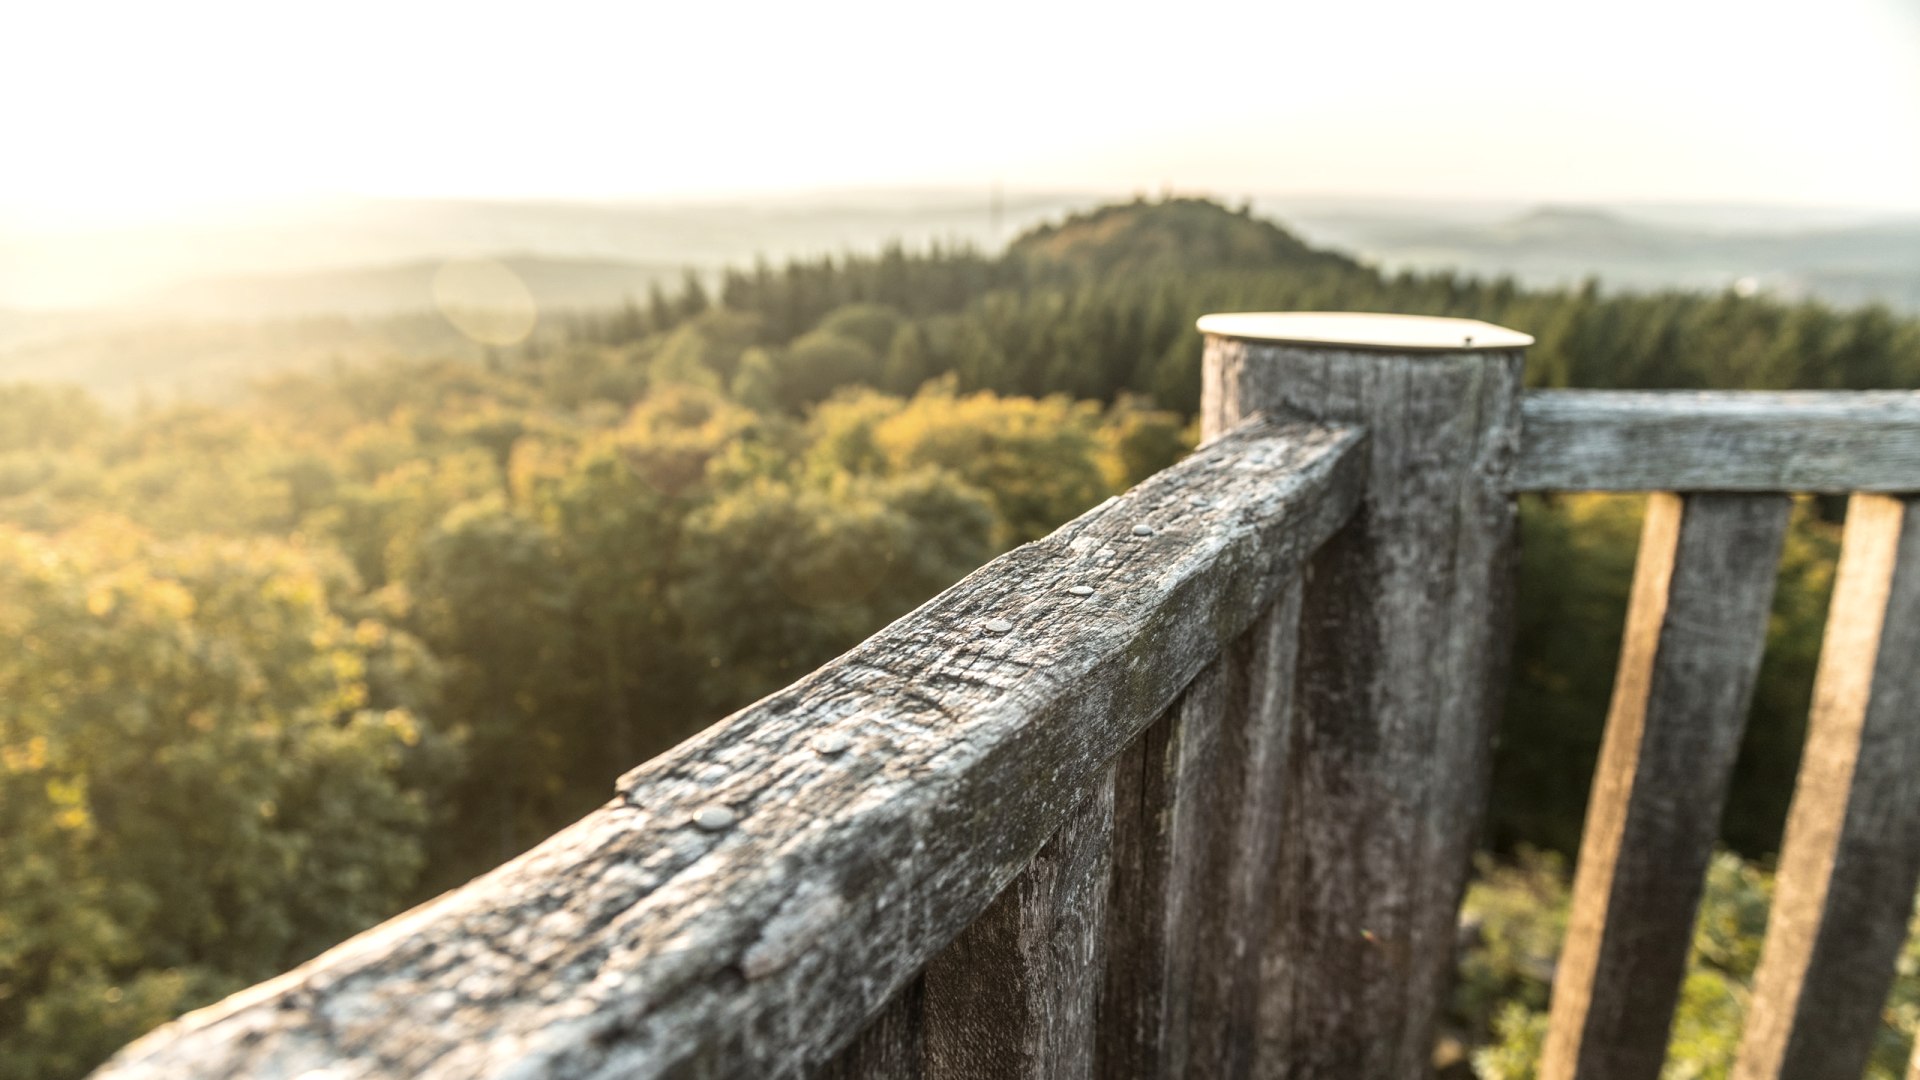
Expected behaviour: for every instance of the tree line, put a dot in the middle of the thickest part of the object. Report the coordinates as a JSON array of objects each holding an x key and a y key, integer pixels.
[{"x": 288, "y": 665}]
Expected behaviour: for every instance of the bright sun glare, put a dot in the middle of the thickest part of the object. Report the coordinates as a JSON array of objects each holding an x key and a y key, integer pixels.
[{"x": 127, "y": 111}]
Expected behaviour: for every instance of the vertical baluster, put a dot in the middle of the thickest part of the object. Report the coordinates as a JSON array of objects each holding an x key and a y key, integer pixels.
[
  {"x": 892, "y": 1045},
  {"x": 1696, "y": 627},
  {"x": 1015, "y": 994},
  {"x": 1196, "y": 834},
  {"x": 1849, "y": 863}
]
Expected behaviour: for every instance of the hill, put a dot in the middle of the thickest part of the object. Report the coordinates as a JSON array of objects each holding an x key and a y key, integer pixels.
[
  {"x": 1842, "y": 257},
  {"x": 1560, "y": 245},
  {"x": 1174, "y": 235}
]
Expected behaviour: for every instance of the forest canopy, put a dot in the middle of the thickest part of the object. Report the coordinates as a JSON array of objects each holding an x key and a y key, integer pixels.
[{"x": 288, "y": 665}]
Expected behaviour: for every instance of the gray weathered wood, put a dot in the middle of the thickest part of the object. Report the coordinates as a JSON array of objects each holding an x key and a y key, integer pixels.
[
  {"x": 1593, "y": 440},
  {"x": 750, "y": 899},
  {"x": 1014, "y": 995},
  {"x": 891, "y": 1047},
  {"x": 1196, "y": 841},
  {"x": 1696, "y": 627},
  {"x": 1404, "y": 643},
  {"x": 1851, "y": 857},
  {"x": 1133, "y": 1003}
]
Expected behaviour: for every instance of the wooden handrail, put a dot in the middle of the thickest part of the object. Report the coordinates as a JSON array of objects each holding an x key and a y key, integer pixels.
[
  {"x": 1695, "y": 630},
  {"x": 753, "y": 896},
  {"x": 1682, "y": 440}
]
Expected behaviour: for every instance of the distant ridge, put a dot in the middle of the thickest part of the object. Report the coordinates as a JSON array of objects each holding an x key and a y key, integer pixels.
[
  {"x": 555, "y": 284},
  {"x": 1559, "y": 245}
]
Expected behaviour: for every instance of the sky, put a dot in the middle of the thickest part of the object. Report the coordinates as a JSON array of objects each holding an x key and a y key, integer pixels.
[{"x": 119, "y": 112}]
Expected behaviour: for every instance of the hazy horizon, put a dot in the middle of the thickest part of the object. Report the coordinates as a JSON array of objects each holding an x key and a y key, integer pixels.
[
  {"x": 216, "y": 160},
  {"x": 145, "y": 264}
]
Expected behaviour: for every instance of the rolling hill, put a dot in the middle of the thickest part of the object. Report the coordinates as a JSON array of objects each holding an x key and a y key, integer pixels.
[{"x": 1842, "y": 264}]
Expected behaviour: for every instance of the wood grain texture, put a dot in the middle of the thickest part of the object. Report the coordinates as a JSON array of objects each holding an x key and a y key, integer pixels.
[
  {"x": 891, "y": 1047},
  {"x": 637, "y": 943},
  {"x": 1014, "y": 996},
  {"x": 1405, "y": 628},
  {"x": 1851, "y": 857},
  {"x": 1657, "y": 440},
  {"x": 1696, "y": 626},
  {"x": 1196, "y": 839}
]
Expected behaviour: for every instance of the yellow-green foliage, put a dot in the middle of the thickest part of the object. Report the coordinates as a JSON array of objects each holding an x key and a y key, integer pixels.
[
  {"x": 287, "y": 665},
  {"x": 204, "y": 756},
  {"x": 1577, "y": 558},
  {"x": 1519, "y": 912}
]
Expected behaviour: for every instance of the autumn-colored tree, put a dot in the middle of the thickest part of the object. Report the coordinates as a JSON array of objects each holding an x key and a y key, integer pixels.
[{"x": 210, "y": 769}]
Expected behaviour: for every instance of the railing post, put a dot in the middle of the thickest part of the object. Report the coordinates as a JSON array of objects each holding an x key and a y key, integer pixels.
[{"x": 1403, "y": 648}]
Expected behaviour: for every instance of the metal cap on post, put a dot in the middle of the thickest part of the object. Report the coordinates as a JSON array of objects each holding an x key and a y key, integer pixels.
[
  {"x": 1225, "y": 402},
  {"x": 1405, "y": 640}
]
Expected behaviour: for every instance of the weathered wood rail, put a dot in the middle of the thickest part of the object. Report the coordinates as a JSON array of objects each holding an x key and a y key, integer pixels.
[{"x": 1190, "y": 787}]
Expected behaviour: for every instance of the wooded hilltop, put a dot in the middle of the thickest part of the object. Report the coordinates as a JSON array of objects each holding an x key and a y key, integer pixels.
[{"x": 284, "y": 667}]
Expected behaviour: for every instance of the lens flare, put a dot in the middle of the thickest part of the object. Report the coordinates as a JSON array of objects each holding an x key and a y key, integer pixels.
[{"x": 485, "y": 300}]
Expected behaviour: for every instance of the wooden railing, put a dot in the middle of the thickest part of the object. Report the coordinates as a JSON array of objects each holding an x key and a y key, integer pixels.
[{"x": 1190, "y": 787}]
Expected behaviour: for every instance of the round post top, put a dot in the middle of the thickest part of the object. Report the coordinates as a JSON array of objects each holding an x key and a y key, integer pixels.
[{"x": 1363, "y": 330}]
